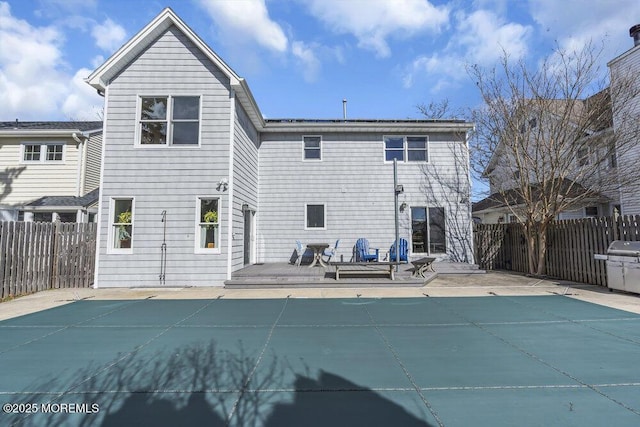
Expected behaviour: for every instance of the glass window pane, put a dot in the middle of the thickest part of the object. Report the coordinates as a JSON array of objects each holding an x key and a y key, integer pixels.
[
  {"x": 31, "y": 152},
  {"x": 394, "y": 142},
  {"x": 395, "y": 154},
  {"x": 122, "y": 211},
  {"x": 417, "y": 156},
  {"x": 437, "y": 240},
  {"x": 185, "y": 132},
  {"x": 311, "y": 142},
  {"x": 419, "y": 229},
  {"x": 186, "y": 108},
  {"x": 54, "y": 152},
  {"x": 153, "y": 133},
  {"x": 209, "y": 223},
  {"x": 154, "y": 108},
  {"x": 315, "y": 216}
]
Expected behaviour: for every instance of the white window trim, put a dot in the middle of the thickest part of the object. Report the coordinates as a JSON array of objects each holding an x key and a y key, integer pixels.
[
  {"x": 110, "y": 238},
  {"x": 304, "y": 159},
  {"x": 405, "y": 149},
  {"x": 169, "y": 144},
  {"x": 196, "y": 241},
  {"x": 43, "y": 152},
  {"x": 305, "y": 216}
]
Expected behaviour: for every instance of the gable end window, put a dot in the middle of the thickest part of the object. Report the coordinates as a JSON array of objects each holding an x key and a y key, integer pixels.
[
  {"x": 312, "y": 147},
  {"x": 42, "y": 152},
  {"x": 169, "y": 120},
  {"x": 406, "y": 148}
]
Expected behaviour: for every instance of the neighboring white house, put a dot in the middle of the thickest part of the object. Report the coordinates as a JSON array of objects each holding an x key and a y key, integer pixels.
[
  {"x": 49, "y": 171},
  {"x": 621, "y": 125},
  {"x": 197, "y": 184}
]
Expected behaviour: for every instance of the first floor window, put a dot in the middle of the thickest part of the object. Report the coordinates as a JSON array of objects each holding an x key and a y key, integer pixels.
[
  {"x": 428, "y": 230},
  {"x": 315, "y": 216},
  {"x": 209, "y": 223},
  {"x": 122, "y": 223}
]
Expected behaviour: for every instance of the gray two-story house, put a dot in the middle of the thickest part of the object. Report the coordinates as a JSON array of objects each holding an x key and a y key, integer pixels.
[{"x": 197, "y": 184}]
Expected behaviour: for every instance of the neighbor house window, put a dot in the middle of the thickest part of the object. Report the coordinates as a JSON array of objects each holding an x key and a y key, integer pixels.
[
  {"x": 406, "y": 148},
  {"x": 591, "y": 211},
  {"x": 208, "y": 223},
  {"x": 583, "y": 157},
  {"x": 122, "y": 223},
  {"x": 315, "y": 216},
  {"x": 312, "y": 148},
  {"x": 169, "y": 120},
  {"x": 42, "y": 152}
]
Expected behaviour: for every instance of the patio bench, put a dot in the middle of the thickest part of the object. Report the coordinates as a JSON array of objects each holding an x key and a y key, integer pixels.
[
  {"x": 422, "y": 265},
  {"x": 381, "y": 267}
]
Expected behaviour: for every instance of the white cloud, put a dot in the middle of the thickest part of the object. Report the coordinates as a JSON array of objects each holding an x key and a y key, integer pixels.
[
  {"x": 480, "y": 38},
  {"x": 572, "y": 23},
  {"x": 307, "y": 58},
  {"x": 247, "y": 19},
  {"x": 34, "y": 81},
  {"x": 372, "y": 22},
  {"x": 83, "y": 103},
  {"x": 109, "y": 36}
]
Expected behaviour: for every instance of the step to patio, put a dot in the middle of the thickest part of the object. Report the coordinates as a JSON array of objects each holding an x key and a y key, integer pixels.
[{"x": 297, "y": 282}]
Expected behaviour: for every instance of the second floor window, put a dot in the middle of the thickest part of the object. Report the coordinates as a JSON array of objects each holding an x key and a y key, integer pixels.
[
  {"x": 406, "y": 149},
  {"x": 312, "y": 149},
  {"x": 42, "y": 152},
  {"x": 169, "y": 120}
]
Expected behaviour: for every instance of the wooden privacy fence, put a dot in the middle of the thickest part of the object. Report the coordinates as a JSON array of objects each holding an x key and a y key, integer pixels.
[
  {"x": 571, "y": 245},
  {"x": 38, "y": 256}
]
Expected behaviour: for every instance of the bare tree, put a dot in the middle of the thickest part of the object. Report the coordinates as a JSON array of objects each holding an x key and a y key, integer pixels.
[{"x": 545, "y": 139}]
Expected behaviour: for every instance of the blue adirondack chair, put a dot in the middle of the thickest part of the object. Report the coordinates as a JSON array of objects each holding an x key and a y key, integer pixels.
[
  {"x": 403, "y": 249},
  {"x": 363, "y": 252},
  {"x": 331, "y": 252}
]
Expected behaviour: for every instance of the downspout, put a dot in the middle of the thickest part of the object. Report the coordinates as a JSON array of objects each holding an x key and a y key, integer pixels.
[
  {"x": 232, "y": 118},
  {"x": 100, "y": 216},
  {"x": 81, "y": 162}
]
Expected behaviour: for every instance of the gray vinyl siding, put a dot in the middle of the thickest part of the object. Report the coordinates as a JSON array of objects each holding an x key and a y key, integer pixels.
[
  {"x": 165, "y": 178},
  {"x": 629, "y": 195},
  {"x": 354, "y": 183},
  {"x": 245, "y": 179},
  {"x": 93, "y": 157}
]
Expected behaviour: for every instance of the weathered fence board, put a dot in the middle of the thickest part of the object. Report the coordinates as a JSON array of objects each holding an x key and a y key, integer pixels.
[
  {"x": 571, "y": 245},
  {"x": 38, "y": 256}
]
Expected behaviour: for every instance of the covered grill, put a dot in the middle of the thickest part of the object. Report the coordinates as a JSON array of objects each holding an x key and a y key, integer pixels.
[{"x": 623, "y": 266}]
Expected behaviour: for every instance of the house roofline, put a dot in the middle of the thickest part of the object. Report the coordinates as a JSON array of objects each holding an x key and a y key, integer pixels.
[
  {"x": 46, "y": 132},
  {"x": 100, "y": 78},
  {"x": 365, "y": 125}
]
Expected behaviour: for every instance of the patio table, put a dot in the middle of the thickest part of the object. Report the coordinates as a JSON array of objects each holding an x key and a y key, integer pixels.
[{"x": 318, "y": 249}]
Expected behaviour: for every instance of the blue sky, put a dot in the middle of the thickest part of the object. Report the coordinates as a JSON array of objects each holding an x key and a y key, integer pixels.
[{"x": 301, "y": 57}]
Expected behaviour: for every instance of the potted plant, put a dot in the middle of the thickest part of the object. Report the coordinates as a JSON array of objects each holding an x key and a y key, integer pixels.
[
  {"x": 124, "y": 219},
  {"x": 211, "y": 218}
]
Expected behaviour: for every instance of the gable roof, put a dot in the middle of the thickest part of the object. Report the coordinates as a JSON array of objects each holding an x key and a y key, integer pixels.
[{"x": 101, "y": 77}]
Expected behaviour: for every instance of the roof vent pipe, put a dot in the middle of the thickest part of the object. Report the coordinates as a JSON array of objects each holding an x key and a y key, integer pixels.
[
  {"x": 635, "y": 33},
  {"x": 344, "y": 109}
]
